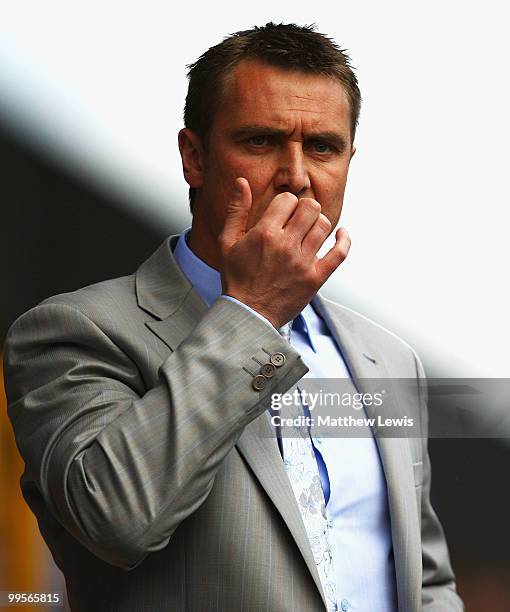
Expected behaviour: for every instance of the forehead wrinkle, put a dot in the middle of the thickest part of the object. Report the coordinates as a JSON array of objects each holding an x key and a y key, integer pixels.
[
  {"x": 287, "y": 122},
  {"x": 276, "y": 103},
  {"x": 299, "y": 130},
  {"x": 289, "y": 98},
  {"x": 299, "y": 110},
  {"x": 287, "y": 102},
  {"x": 309, "y": 98},
  {"x": 322, "y": 94}
]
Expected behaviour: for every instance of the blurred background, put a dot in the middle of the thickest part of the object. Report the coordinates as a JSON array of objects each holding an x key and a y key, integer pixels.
[{"x": 91, "y": 99}]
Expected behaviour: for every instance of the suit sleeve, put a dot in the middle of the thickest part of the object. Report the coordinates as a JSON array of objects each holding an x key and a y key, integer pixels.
[
  {"x": 438, "y": 585},
  {"x": 118, "y": 467}
]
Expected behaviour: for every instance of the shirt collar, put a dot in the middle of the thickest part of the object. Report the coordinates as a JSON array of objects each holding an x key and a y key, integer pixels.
[{"x": 207, "y": 282}]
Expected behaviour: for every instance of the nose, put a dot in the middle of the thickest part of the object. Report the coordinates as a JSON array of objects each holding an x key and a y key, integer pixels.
[{"x": 292, "y": 174}]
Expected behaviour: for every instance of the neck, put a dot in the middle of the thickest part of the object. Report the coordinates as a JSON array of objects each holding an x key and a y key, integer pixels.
[{"x": 203, "y": 242}]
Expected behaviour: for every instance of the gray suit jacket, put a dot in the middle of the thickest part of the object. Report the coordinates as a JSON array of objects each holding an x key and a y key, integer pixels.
[{"x": 150, "y": 463}]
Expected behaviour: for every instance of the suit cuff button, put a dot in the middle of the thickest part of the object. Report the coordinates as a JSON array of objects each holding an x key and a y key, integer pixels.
[
  {"x": 259, "y": 382},
  {"x": 277, "y": 359},
  {"x": 268, "y": 370}
]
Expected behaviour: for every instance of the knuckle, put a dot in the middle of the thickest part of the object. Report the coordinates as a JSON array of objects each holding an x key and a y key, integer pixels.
[
  {"x": 286, "y": 196},
  {"x": 324, "y": 222},
  {"x": 287, "y": 248},
  {"x": 310, "y": 204},
  {"x": 304, "y": 270},
  {"x": 266, "y": 233},
  {"x": 300, "y": 267}
]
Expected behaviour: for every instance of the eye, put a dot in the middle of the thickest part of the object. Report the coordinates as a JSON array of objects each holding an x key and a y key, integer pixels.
[
  {"x": 258, "y": 141},
  {"x": 322, "y": 147}
]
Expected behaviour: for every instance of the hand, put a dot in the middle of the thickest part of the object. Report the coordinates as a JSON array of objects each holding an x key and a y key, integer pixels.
[{"x": 273, "y": 267}]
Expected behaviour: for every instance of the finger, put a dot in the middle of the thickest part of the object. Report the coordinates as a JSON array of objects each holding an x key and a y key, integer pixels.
[
  {"x": 306, "y": 214},
  {"x": 238, "y": 209},
  {"x": 335, "y": 256},
  {"x": 315, "y": 238},
  {"x": 280, "y": 210}
]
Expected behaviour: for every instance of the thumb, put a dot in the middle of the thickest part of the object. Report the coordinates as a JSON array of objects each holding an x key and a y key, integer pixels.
[{"x": 238, "y": 209}]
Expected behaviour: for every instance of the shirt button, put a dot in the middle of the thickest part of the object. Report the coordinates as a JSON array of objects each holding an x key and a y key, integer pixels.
[
  {"x": 259, "y": 382},
  {"x": 268, "y": 370},
  {"x": 345, "y": 605},
  {"x": 277, "y": 359}
]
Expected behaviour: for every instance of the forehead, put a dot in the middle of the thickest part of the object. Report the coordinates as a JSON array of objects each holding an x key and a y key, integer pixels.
[{"x": 258, "y": 93}]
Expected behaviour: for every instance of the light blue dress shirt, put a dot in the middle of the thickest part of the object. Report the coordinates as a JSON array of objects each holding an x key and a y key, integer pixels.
[{"x": 350, "y": 468}]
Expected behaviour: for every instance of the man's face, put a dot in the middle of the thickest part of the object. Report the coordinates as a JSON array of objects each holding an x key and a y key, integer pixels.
[{"x": 282, "y": 131}]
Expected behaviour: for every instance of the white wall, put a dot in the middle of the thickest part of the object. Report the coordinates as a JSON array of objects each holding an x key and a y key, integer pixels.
[{"x": 102, "y": 87}]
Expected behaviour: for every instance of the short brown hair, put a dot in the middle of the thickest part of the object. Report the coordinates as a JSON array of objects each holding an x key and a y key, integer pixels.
[{"x": 286, "y": 46}]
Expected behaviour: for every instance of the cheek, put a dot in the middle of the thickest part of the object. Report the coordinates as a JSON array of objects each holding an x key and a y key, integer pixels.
[
  {"x": 221, "y": 175},
  {"x": 219, "y": 185},
  {"x": 330, "y": 194},
  {"x": 259, "y": 177},
  {"x": 225, "y": 173},
  {"x": 257, "y": 169}
]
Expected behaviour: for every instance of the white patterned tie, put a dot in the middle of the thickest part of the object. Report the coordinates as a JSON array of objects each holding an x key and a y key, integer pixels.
[{"x": 303, "y": 472}]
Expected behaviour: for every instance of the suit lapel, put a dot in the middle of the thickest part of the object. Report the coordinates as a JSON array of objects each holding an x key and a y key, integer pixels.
[
  {"x": 366, "y": 365},
  {"x": 164, "y": 292},
  {"x": 259, "y": 447},
  {"x": 179, "y": 324}
]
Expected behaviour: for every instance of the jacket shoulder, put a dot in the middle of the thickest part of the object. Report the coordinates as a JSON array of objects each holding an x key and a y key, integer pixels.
[
  {"x": 374, "y": 333},
  {"x": 107, "y": 304},
  {"x": 99, "y": 298}
]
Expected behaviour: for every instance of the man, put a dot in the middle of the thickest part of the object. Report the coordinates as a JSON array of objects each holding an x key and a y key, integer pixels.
[{"x": 140, "y": 404}]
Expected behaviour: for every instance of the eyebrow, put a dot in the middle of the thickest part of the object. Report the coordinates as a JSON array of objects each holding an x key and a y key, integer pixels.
[{"x": 248, "y": 131}]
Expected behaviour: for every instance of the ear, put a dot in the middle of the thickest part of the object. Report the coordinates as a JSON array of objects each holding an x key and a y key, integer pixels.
[
  {"x": 353, "y": 150},
  {"x": 192, "y": 155}
]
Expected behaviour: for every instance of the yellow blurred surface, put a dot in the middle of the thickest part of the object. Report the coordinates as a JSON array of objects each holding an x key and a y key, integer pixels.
[{"x": 22, "y": 549}]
